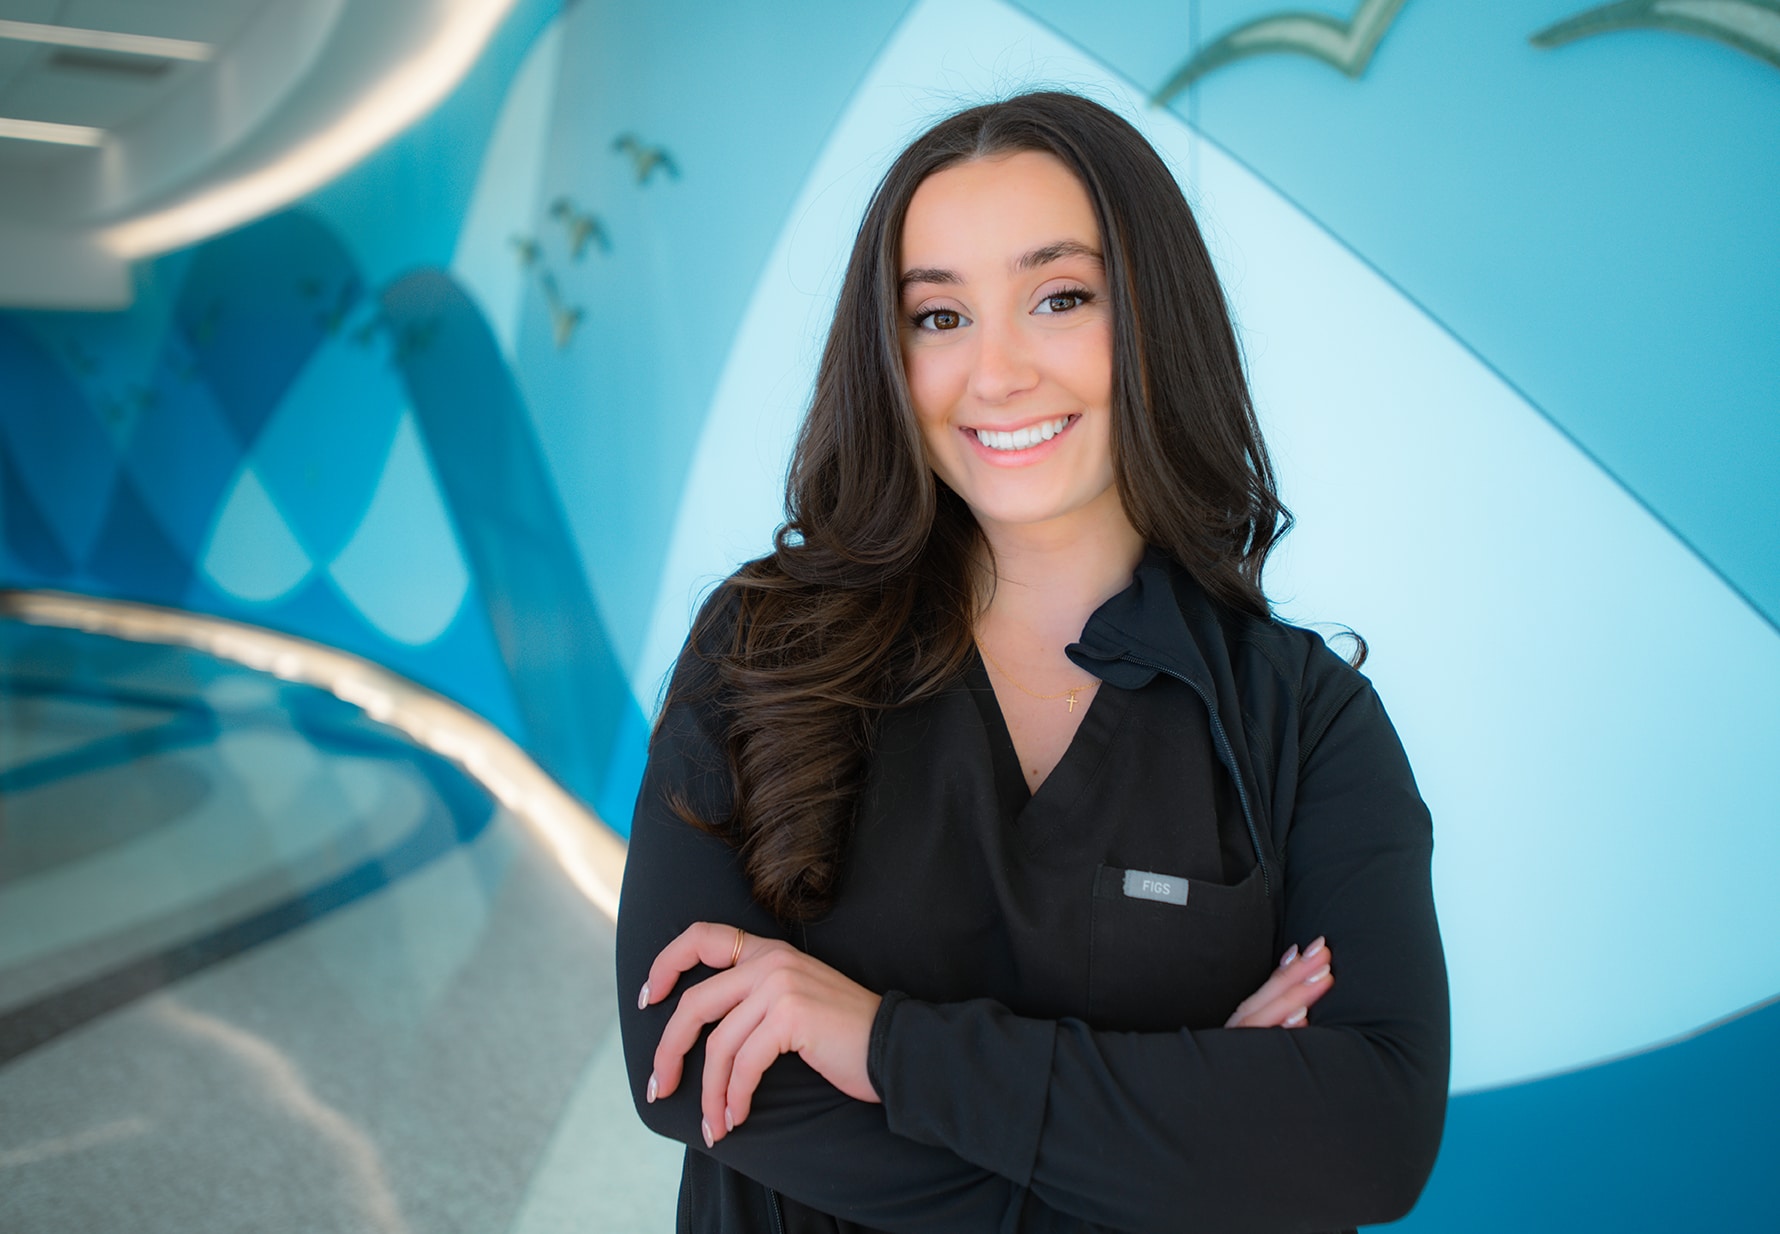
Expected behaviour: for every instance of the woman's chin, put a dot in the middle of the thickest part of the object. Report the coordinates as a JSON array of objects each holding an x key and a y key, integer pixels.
[{"x": 1026, "y": 513}]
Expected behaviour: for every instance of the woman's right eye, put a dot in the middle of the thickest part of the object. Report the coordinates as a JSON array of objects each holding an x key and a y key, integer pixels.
[{"x": 938, "y": 319}]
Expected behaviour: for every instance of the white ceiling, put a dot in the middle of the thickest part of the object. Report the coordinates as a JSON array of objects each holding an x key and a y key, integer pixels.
[
  {"x": 297, "y": 90},
  {"x": 70, "y": 86}
]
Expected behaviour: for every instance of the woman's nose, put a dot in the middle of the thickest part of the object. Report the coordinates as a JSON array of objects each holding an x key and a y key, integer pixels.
[{"x": 1003, "y": 364}]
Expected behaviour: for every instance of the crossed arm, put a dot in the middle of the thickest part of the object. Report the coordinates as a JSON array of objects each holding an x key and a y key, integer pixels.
[
  {"x": 901, "y": 1114},
  {"x": 770, "y": 999}
]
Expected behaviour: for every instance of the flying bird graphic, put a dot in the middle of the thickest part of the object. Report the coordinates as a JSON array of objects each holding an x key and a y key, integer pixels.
[
  {"x": 1751, "y": 26},
  {"x": 563, "y": 317},
  {"x": 646, "y": 160},
  {"x": 581, "y": 227},
  {"x": 413, "y": 338},
  {"x": 367, "y": 330},
  {"x": 331, "y": 317},
  {"x": 1346, "y": 45},
  {"x": 526, "y": 249}
]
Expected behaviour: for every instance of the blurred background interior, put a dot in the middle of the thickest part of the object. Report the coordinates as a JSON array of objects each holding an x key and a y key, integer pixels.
[{"x": 383, "y": 381}]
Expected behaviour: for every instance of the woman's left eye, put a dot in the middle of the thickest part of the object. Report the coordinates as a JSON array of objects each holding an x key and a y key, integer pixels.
[{"x": 1062, "y": 301}]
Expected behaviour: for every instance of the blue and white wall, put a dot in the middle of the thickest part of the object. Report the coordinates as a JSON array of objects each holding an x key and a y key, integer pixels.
[{"x": 497, "y": 405}]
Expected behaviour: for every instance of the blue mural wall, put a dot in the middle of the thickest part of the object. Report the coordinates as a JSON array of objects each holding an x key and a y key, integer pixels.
[{"x": 494, "y": 407}]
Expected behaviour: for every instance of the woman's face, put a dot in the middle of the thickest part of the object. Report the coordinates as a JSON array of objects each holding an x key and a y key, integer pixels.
[{"x": 1007, "y": 340}]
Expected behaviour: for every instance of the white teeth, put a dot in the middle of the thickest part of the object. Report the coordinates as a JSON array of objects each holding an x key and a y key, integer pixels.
[{"x": 1023, "y": 438}]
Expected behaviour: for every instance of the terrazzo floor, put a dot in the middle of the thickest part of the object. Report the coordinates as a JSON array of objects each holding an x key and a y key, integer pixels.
[{"x": 266, "y": 965}]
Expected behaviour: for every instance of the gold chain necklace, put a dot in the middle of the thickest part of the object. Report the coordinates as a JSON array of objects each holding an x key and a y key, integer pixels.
[{"x": 1047, "y": 698}]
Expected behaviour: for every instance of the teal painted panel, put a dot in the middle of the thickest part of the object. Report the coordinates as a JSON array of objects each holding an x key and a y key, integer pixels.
[
  {"x": 1594, "y": 220},
  {"x": 741, "y": 97},
  {"x": 1679, "y": 1138},
  {"x": 323, "y": 447},
  {"x": 570, "y": 690},
  {"x": 62, "y": 457}
]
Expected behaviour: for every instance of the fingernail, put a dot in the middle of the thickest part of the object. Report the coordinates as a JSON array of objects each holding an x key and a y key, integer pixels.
[
  {"x": 1315, "y": 949},
  {"x": 1297, "y": 1017},
  {"x": 1317, "y": 976},
  {"x": 1290, "y": 955},
  {"x": 728, "y": 1120},
  {"x": 704, "y": 1125},
  {"x": 643, "y": 997},
  {"x": 650, "y": 1095}
]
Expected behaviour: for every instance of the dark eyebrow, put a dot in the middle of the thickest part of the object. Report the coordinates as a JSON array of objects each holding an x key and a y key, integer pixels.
[
  {"x": 926, "y": 274},
  {"x": 1046, "y": 254},
  {"x": 1043, "y": 255}
]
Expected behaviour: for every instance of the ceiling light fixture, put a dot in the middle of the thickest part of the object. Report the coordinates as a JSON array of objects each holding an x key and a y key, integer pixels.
[
  {"x": 60, "y": 134},
  {"x": 106, "y": 40},
  {"x": 406, "y": 93}
]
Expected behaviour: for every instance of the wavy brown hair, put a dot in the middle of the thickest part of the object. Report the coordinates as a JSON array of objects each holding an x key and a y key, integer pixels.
[{"x": 875, "y": 581}]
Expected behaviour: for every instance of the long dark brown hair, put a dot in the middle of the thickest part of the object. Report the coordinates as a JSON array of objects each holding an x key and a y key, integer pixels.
[{"x": 869, "y": 597}]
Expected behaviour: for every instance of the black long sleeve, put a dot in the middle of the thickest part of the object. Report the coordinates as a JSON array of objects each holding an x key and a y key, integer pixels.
[
  {"x": 1015, "y": 1106},
  {"x": 1327, "y": 1126},
  {"x": 804, "y": 1138}
]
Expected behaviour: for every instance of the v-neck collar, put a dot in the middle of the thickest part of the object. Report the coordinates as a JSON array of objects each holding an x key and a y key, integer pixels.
[{"x": 1036, "y": 813}]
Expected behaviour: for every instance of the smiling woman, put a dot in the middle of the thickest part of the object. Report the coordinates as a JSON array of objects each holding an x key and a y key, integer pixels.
[
  {"x": 1019, "y": 945},
  {"x": 1008, "y": 348}
]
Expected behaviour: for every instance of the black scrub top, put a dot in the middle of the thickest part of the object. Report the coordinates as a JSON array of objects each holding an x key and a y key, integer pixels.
[
  {"x": 959, "y": 883},
  {"x": 1056, "y": 967}
]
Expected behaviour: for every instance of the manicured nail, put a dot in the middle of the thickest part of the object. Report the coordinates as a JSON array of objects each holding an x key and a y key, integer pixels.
[
  {"x": 643, "y": 997},
  {"x": 1314, "y": 950},
  {"x": 728, "y": 1120},
  {"x": 1317, "y": 976},
  {"x": 1290, "y": 955},
  {"x": 650, "y": 1095},
  {"x": 1297, "y": 1017},
  {"x": 705, "y": 1126}
]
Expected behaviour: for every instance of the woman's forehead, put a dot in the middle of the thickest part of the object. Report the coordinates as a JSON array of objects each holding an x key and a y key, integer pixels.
[{"x": 1001, "y": 211}]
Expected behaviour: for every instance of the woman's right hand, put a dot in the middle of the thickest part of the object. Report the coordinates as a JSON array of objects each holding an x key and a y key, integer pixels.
[{"x": 1285, "y": 999}]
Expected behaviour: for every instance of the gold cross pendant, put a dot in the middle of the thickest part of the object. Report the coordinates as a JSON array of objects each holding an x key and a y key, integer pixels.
[{"x": 1072, "y": 702}]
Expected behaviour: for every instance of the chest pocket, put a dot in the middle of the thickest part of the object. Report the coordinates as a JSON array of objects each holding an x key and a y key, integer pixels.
[{"x": 1157, "y": 964}]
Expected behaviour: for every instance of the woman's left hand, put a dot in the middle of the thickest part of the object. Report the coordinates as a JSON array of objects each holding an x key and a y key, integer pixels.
[{"x": 772, "y": 1000}]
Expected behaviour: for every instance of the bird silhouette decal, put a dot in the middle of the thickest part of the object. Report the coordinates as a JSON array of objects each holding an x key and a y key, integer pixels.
[
  {"x": 414, "y": 338},
  {"x": 1751, "y": 26},
  {"x": 330, "y": 317},
  {"x": 645, "y": 161},
  {"x": 1346, "y": 45},
  {"x": 366, "y": 332},
  {"x": 581, "y": 228},
  {"x": 563, "y": 317}
]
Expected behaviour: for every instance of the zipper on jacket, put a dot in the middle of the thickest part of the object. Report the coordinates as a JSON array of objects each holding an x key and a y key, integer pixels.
[
  {"x": 772, "y": 1203},
  {"x": 1228, "y": 753}
]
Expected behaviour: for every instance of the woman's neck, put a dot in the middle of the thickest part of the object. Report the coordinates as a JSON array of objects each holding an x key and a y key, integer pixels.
[{"x": 1050, "y": 577}]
